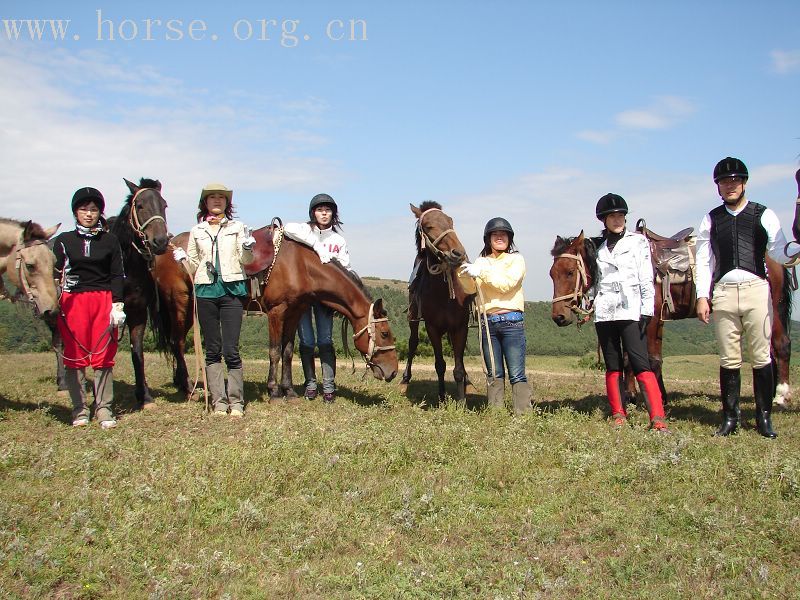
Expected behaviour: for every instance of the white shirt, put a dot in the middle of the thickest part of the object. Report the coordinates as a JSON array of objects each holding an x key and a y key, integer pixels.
[
  {"x": 705, "y": 260},
  {"x": 624, "y": 290},
  {"x": 333, "y": 242}
]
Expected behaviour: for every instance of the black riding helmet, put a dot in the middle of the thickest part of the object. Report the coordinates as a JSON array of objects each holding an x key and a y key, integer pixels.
[
  {"x": 86, "y": 195},
  {"x": 730, "y": 167},
  {"x": 319, "y": 200},
  {"x": 610, "y": 203},
  {"x": 498, "y": 224}
]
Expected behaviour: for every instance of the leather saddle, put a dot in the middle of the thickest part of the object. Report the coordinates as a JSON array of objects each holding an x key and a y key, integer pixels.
[
  {"x": 673, "y": 260},
  {"x": 268, "y": 241}
]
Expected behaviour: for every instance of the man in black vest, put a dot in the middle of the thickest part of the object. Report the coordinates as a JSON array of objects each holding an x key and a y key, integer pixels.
[{"x": 732, "y": 243}]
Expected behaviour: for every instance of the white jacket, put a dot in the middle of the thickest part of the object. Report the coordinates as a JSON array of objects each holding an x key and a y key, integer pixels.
[
  {"x": 624, "y": 290},
  {"x": 315, "y": 237},
  {"x": 228, "y": 240}
]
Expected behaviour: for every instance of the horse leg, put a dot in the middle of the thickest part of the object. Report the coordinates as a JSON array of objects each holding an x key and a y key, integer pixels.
[
  {"x": 286, "y": 366},
  {"x": 436, "y": 341},
  {"x": 58, "y": 345},
  {"x": 275, "y": 318},
  {"x": 458, "y": 339},
  {"x": 655, "y": 340},
  {"x": 781, "y": 353},
  {"x": 142, "y": 393},
  {"x": 413, "y": 342}
]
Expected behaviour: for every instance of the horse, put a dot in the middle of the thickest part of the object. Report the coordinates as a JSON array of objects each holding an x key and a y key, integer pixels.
[
  {"x": 28, "y": 262},
  {"x": 141, "y": 228},
  {"x": 574, "y": 272},
  {"x": 436, "y": 296},
  {"x": 289, "y": 277}
]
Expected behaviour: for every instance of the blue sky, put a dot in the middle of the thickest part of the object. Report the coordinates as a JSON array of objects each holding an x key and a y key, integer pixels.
[{"x": 528, "y": 110}]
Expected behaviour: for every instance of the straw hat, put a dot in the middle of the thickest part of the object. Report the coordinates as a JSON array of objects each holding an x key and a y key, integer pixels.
[{"x": 216, "y": 188}]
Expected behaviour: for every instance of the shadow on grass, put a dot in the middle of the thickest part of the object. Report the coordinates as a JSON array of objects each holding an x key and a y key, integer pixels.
[
  {"x": 60, "y": 412},
  {"x": 425, "y": 394}
]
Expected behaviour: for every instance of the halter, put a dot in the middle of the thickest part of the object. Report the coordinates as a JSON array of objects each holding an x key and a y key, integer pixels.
[
  {"x": 579, "y": 303},
  {"x": 426, "y": 242},
  {"x": 373, "y": 349},
  {"x": 22, "y": 272},
  {"x": 139, "y": 227}
]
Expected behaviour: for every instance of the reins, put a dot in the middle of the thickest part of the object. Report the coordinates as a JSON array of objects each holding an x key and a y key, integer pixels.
[
  {"x": 139, "y": 227},
  {"x": 579, "y": 304},
  {"x": 22, "y": 271},
  {"x": 439, "y": 267},
  {"x": 372, "y": 348}
]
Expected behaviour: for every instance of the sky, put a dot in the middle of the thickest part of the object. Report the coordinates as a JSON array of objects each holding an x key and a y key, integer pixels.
[{"x": 526, "y": 110}]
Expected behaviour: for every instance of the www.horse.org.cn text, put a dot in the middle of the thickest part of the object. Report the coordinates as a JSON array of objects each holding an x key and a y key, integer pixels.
[{"x": 288, "y": 33}]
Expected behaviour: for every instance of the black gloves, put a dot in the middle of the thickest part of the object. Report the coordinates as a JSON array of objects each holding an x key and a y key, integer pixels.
[{"x": 644, "y": 321}]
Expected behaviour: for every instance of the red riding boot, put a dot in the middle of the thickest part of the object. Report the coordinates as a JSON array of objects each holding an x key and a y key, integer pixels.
[
  {"x": 615, "y": 398},
  {"x": 655, "y": 405}
]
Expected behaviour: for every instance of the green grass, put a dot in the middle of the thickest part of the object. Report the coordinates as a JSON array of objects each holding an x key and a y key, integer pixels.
[{"x": 380, "y": 496}]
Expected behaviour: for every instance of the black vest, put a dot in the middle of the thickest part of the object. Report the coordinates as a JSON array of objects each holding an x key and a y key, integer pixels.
[{"x": 739, "y": 242}]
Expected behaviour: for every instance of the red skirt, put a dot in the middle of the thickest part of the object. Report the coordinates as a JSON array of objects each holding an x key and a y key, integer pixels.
[{"x": 84, "y": 323}]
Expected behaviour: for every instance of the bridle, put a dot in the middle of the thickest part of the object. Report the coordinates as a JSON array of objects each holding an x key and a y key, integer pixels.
[
  {"x": 579, "y": 304},
  {"x": 22, "y": 271},
  {"x": 139, "y": 228},
  {"x": 372, "y": 349},
  {"x": 439, "y": 267}
]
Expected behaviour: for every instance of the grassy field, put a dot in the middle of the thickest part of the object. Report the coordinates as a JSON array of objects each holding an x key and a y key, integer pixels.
[{"x": 382, "y": 496}]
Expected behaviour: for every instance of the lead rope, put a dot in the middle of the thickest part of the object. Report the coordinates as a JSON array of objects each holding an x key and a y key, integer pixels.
[
  {"x": 199, "y": 362},
  {"x": 482, "y": 313}
]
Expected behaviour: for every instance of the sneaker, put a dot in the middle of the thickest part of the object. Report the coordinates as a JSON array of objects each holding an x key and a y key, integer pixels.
[
  {"x": 220, "y": 413},
  {"x": 619, "y": 420},
  {"x": 80, "y": 422},
  {"x": 310, "y": 393},
  {"x": 237, "y": 413},
  {"x": 660, "y": 426},
  {"x": 110, "y": 424},
  {"x": 328, "y": 397}
]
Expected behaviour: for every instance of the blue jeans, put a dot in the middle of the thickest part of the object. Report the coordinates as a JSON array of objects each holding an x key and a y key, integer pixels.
[
  {"x": 506, "y": 341},
  {"x": 323, "y": 316}
]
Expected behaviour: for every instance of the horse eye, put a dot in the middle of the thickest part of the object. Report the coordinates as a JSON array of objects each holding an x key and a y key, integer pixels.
[
  {"x": 384, "y": 334},
  {"x": 31, "y": 266},
  {"x": 572, "y": 272}
]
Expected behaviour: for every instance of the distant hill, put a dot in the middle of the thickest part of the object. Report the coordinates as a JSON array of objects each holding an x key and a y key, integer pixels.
[{"x": 21, "y": 332}]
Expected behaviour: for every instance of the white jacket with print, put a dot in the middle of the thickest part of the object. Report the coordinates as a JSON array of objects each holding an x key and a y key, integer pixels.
[
  {"x": 315, "y": 237},
  {"x": 624, "y": 290}
]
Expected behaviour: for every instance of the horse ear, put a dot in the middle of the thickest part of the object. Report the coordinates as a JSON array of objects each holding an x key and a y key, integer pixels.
[
  {"x": 27, "y": 227},
  {"x": 51, "y": 231},
  {"x": 131, "y": 186},
  {"x": 417, "y": 212},
  {"x": 580, "y": 237},
  {"x": 377, "y": 308}
]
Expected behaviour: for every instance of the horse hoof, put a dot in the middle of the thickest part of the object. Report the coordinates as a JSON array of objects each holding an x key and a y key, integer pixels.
[
  {"x": 291, "y": 394},
  {"x": 276, "y": 400},
  {"x": 149, "y": 405},
  {"x": 62, "y": 393},
  {"x": 404, "y": 388}
]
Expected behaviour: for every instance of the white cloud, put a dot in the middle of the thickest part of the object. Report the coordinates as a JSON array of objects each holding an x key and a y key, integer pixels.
[
  {"x": 665, "y": 112},
  {"x": 785, "y": 61},
  {"x": 74, "y": 119},
  {"x": 596, "y": 136}
]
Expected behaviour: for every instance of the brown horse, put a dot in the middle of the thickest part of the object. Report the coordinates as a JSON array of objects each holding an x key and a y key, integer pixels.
[
  {"x": 28, "y": 262},
  {"x": 574, "y": 272},
  {"x": 141, "y": 228},
  {"x": 436, "y": 296},
  {"x": 295, "y": 278}
]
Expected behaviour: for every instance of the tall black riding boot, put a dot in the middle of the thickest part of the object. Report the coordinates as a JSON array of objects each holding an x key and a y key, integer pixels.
[
  {"x": 730, "y": 387},
  {"x": 763, "y": 383}
]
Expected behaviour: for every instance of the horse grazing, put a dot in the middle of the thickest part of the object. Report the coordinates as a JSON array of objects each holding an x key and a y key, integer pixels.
[
  {"x": 436, "y": 296},
  {"x": 28, "y": 262},
  {"x": 141, "y": 228},
  {"x": 574, "y": 271},
  {"x": 290, "y": 277}
]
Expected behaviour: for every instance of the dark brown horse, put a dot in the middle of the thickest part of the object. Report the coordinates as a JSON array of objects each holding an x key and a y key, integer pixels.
[
  {"x": 141, "y": 228},
  {"x": 296, "y": 278},
  {"x": 574, "y": 271},
  {"x": 436, "y": 296}
]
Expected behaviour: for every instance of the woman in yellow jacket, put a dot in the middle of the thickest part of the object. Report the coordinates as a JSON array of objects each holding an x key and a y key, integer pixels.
[{"x": 499, "y": 273}]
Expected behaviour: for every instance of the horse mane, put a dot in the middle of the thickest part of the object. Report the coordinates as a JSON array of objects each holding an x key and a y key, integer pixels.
[
  {"x": 590, "y": 250},
  {"x": 353, "y": 276},
  {"x": 36, "y": 230},
  {"x": 426, "y": 205}
]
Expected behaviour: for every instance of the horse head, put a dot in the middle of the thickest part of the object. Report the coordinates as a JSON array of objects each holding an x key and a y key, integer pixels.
[
  {"x": 32, "y": 270},
  {"x": 436, "y": 235},
  {"x": 573, "y": 273},
  {"x": 147, "y": 216},
  {"x": 376, "y": 342}
]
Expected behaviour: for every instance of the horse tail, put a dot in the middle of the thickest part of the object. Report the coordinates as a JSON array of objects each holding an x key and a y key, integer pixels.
[
  {"x": 161, "y": 324},
  {"x": 785, "y": 304}
]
